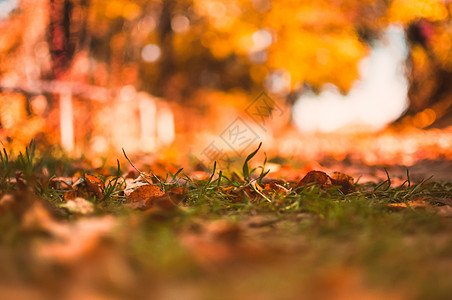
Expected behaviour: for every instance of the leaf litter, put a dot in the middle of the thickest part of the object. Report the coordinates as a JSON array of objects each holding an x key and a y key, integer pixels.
[{"x": 218, "y": 222}]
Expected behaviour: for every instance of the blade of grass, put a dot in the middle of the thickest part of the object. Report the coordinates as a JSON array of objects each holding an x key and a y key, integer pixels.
[
  {"x": 220, "y": 174},
  {"x": 173, "y": 179},
  {"x": 203, "y": 190},
  {"x": 382, "y": 183},
  {"x": 112, "y": 185},
  {"x": 144, "y": 174},
  {"x": 245, "y": 169}
]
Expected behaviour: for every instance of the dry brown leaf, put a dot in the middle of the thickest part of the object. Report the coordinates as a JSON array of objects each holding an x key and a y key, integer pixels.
[
  {"x": 114, "y": 180},
  {"x": 132, "y": 185},
  {"x": 144, "y": 193},
  {"x": 199, "y": 175},
  {"x": 237, "y": 194},
  {"x": 16, "y": 203},
  {"x": 345, "y": 181},
  {"x": 70, "y": 195},
  {"x": 61, "y": 183},
  {"x": 94, "y": 186},
  {"x": 220, "y": 244},
  {"x": 79, "y": 206},
  {"x": 75, "y": 241},
  {"x": 324, "y": 181},
  {"x": 177, "y": 195},
  {"x": 37, "y": 217},
  {"x": 132, "y": 174},
  {"x": 276, "y": 188},
  {"x": 167, "y": 201},
  {"x": 318, "y": 178},
  {"x": 140, "y": 205}
]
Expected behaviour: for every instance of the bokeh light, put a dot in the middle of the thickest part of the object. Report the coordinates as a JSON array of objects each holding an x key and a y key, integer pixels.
[{"x": 151, "y": 53}]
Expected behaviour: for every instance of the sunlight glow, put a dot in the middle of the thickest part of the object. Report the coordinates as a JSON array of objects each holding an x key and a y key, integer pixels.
[
  {"x": 127, "y": 93},
  {"x": 379, "y": 98},
  {"x": 148, "y": 113},
  {"x": 66, "y": 122},
  {"x": 6, "y": 7},
  {"x": 165, "y": 126}
]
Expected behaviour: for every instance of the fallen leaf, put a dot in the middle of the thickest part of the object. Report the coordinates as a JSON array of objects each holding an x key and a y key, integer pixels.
[
  {"x": 70, "y": 195},
  {"x": 167, "y": 201},
  {"x": 20, "y": 182},
  {"x": 276, "y": 188},
  {"x": 16, "y": 203},
  {"x": 144, "y": 193},
  {"x": 177, "y": 195},
  {"x": 6, "y": 202},
  {"x": 37, "y": 218},
  {"x": 417, "y": 204},
  {"x": 94, "y": 186},
  {"x": 199, "y": 175},
  {"x": 61, "y": 183},
  {"x": 346, "y": 182},
  {"x": 132, "y": 185},
  {"x": 75, "y": 241},
  {"x": 113, "y": 180},
  {"x": 237, "y": 194},
  {"x": 131, "y": 174},
  {"x": 79, "y": 206},
  {"x": 140, "y": 205},
  {"x": 444, "y": 211},
  {"x": 318, "y": 178},
  {"x": 220, "y": 244},
  {"x": 77, "y": 183}
]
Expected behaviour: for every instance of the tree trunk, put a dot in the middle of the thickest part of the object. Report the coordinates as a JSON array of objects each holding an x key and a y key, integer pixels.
[{"x": 166, "y": 65}]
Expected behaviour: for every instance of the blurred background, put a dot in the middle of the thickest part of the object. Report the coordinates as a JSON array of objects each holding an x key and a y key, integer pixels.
[{"x": 210, "y": 79}]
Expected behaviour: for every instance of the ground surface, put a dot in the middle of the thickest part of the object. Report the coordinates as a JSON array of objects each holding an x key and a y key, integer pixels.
[{"x": 106, "y": 234}]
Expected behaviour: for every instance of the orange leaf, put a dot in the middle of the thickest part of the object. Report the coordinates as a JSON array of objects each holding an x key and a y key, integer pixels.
[
  {"x": 276, "y": 188},
  {"x": 416, "y": 204},
  {"x": 61, "y": 183},
  {"x": 167, "y": 201},
  {"x": 345, "y": 181},
  {"x": 144, "y": 193},
  {"x": 318, "y": 178},
  {"x": 94, "y": 186},
  {"x": 131, "y": 174},
  {"x": 70, "y": 195},
  {"x": 152, "y": 197}
]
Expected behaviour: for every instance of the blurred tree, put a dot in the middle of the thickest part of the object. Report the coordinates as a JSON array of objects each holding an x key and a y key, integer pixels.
[
  {"x": 430, "y": 90},
  {"x": 173, "y": 48},
  {"x": 66, "y": 32},
  {"x": 429, "y": 30}
]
